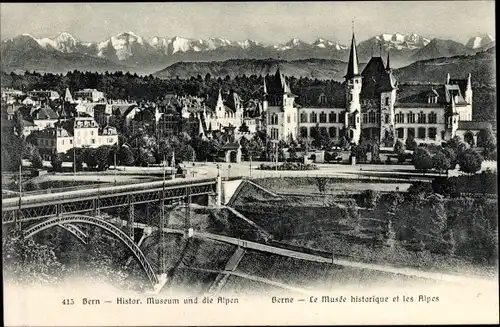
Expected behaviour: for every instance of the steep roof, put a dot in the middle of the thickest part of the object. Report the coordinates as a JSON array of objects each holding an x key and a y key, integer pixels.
[
  {"x": 352, "y": 65},
  {"x": 376, "y": 79},
  {"x": 45, "y": 113}
]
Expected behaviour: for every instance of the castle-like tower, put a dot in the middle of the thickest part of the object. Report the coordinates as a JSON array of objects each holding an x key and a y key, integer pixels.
[{"x": 353, "y": 84}]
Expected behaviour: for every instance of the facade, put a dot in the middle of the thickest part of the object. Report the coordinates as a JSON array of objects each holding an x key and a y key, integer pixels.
[
  {"x": 44, "y": 117},
  {"x": 89, "y": 95},
  {"x": 228, "y": 112},
  {"x": 281, "y": 121},
  {"x": 375, "y": 107},
  {"x": 42, "y": 95},
  {"x": 78, "y": 132},
  {"x": 10, "y": 96}
]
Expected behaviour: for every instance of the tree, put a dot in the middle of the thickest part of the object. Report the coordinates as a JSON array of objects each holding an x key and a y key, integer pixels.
[
  {"x": 450, "y": 244},
  {"x": 255, "y": 146},
  {"x": 422, "y": 159},
  {"x": 102, "y": 155},
  {"x": 452, "y": 156},
  {"x": 394, "y": 199},
  {"x": 76, "y": 156},
  {"x": 90, "y": 157},
  {"x": 440, "y": 162},
  {"x": 410, "y": 143},
  {"x": 29, "y": 263},
  {"x": 56, "y": 162},
  {"x": 487, "y": 140},
  {"x": 399, "y": 150},
  {"x": 126, "y": 156},
  {"x": 36, "y": 159},
  {"x": 470, "y": 161}
]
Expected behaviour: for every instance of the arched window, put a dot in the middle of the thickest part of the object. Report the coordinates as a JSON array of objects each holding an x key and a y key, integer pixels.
[
  {"x": 314, "y": 117},
  {"x": 303, "y": 117},
  {"x": 322, "y": 117},
  {"x": 432, "y": 118},
  {"x": 332, "y": 117},
  {"x": 421, "y": 118},
  {"x": 371, "y": 117}
]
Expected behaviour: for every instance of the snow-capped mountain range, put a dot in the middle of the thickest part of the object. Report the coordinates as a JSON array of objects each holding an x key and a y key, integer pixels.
[{"x": 145, "y": 55}]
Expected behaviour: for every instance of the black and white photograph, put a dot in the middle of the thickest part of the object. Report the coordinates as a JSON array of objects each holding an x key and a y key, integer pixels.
[{"x": 249, "y": 163}]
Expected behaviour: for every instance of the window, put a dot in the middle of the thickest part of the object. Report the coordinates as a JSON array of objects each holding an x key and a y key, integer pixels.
[
  {"x": 341, "y": 118},
  {"x": 432, "y": 133},
  {"x": 349, "y": 97},
  {"x": 365, "y": 118},
  {"x": 432, "y": 118},
  {"x": 401, "y": 133},
  {"x": 70, "y": 141},
  {"x": 322, "y": 99},
  {"x": 421, "y": 132},
  {"x": 303, "y": 117},
  {"x": 411, "y": 131},
  {"x": 91, "y": 133},
  {"x": 274, "y": 133},
  {"x": 62, "y": 142},
  {"x": 332, "y": 117},
  {"x": 357, "y": 119},
  {"x": 274, "y": 119},
  {"x": 421, "y": 118},
  {"x": 110, "y": 140},
  {"x": 93, "y": 141},
  {"x": 398, "y": 118},
  {"x": 377, "y": 117},
  {"x": 387, "y": 119},
  {"x": 386, "y": 101},
  {"x": 371, "y": 117},
  {"x": 322, "y": 117},
  {"x": 314, "y": 117},
  {"x": 442, "y": 135},
  {"x": 303, "y": 131},
  {"x": 333, "y": 132},
  {"x": 411, "y": 118},
  {"x": 288, "y": 119}
]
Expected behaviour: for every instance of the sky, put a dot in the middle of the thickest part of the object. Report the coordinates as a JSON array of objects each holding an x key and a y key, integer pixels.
[{"x": 268, "y": 22}]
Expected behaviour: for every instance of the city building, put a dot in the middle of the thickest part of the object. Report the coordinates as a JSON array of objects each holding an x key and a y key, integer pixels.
[
  {"x": 10, "y": 96},
  {"x": 77, "y": 132},
  {"x": 89, "y": 95},
  {"x": 374, "y": 106},
  {"x": 43, "y": 95},
  {"x": 280, "y": 111}
]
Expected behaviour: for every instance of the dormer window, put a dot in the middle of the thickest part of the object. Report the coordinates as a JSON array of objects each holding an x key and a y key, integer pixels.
[{"x": 322, "y": 99}]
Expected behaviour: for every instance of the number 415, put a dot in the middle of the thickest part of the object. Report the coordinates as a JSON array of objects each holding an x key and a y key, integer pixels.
[{"x": 68, "y": 302}]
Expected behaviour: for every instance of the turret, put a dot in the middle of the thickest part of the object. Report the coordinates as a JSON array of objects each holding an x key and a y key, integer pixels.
[
  {"x": 468, "y": 90},
  {"x": 353, "y": 80},
  {"x": 388, "y": 67},
  {"x": 264, "y": 102}
]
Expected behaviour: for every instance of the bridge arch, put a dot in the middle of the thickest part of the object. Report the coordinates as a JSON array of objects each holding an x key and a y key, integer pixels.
[{"x": 63, "y": 220}]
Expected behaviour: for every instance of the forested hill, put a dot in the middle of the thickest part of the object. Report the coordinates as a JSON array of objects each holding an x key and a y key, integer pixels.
[
  {"x": 306, "y": 68},
  {"x": 480, "y": 65}
]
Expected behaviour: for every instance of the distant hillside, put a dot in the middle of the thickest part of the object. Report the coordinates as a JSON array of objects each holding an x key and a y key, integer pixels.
[
  {"x": 311, "y": 68},
  {"x": 480, "y": 65},
  {"x": 438, "y": 48}
]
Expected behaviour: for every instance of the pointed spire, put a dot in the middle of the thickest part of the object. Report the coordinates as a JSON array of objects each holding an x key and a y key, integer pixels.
[
  {"x": 219, "y": 98},
  {"x": 352, "y": 66},
  {"x": 265, "y": 87},
  {"x": 388, "y": 59}
]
